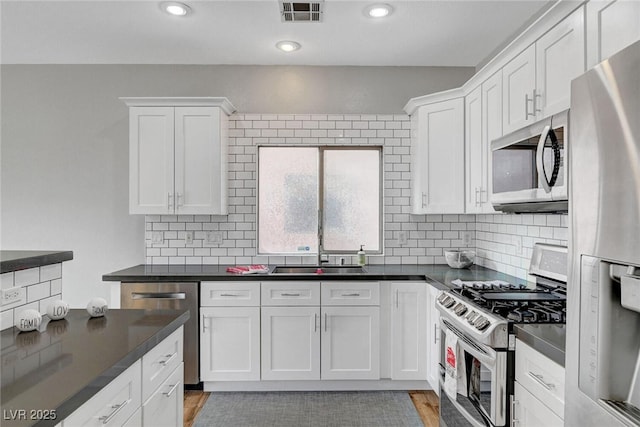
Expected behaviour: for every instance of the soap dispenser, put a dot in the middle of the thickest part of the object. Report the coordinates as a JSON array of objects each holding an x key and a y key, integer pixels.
[{"x": 361, "y": 258}]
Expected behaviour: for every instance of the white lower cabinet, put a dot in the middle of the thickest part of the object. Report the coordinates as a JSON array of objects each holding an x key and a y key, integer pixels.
[
  {"x": 433, "y": 340},
  {"x": 149, "y": 393},
  {"x": 408, "y": 334},
  {"x": 290, "y": 343},
  {"x": 350, "y": 343},
  {"x": 230, "y": 343},
  {"x": 539, "y": 389},
  {"x": 531, "y": 412},
  {"x": 165, "y": 406}
]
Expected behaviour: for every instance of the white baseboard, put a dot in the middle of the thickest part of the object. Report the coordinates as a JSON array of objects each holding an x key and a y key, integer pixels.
[{"x": 327, "y": 385}]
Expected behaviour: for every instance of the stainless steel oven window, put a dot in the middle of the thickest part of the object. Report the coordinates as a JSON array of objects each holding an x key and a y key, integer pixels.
[{"x": 487, "y": 397}]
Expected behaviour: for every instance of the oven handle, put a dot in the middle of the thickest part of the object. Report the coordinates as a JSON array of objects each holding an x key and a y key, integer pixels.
[
  {"x": 484, "y": 357},
  {"x": 460, "y": 408}
]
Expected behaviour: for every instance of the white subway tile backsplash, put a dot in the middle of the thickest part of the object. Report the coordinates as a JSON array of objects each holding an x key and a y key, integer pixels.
[
  {"x": 27, "y": 277},
  {"x": 428, "y": 235},
  {"x": 50, "y": 272}
]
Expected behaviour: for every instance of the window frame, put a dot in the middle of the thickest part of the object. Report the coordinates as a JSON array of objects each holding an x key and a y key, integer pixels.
[{"x": 321, "y": 150}]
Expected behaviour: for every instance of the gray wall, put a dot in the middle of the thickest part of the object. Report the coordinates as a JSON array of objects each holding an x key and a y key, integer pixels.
[{"x": 64, "y": 152}]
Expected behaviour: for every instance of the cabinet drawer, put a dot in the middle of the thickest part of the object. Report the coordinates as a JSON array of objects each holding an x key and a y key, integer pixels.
[
  {"x": 541, "y": 376},
  {"x": 160, "y": 362},
  {"x": 230, "y": 294},
  {"x": 532, "y": 412},
  {"x": 350, "y": 293},
  {"x": 114, "y": 404},
  {"x": 290, "y": 293},
  {"x": 165, "y": 406}
]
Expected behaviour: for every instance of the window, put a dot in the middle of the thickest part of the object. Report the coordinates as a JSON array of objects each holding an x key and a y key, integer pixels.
[{"x": 308, "y": 192}]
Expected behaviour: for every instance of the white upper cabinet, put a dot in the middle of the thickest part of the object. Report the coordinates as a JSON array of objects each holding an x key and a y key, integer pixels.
[
  {"x": 483, "y": 124},
  {"x": 536, "y": 83},
  {"x": 437, "y": 155},
  {"x": 611, "y": 26},
  {"x": 475, "y": 152},
  {"x": 178, "y": 155},
  {"x": 518, "y": 86},
  {"x": 560, "y": 58}
]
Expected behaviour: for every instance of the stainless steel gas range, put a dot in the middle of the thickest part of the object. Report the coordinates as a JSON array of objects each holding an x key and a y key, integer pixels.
[{"x": 478, "y": 342}]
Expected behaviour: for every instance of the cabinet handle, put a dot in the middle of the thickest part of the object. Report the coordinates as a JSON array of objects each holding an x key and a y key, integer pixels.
[
  {"x": 169, "y": 200},
  {"x": 528, "y": 100},
  {"x": 424, "y": 200},
  {"x": 325, "y": 322},
  {"x": 179, "y": 196},
  {"x": 170, "y": 358},
  {"x": 230, "y": 295},
  {"x": 514, "y": 420},
  {"x": 436, "y": 338},
  {"x": 536, "y": 95},
  {"x": 204, "y": 323},
  {"x": 397, "y": 290},
  {"x": 116, "y": 408},
  {"x": 540, "y": 380},
  {"x": 289, "y": 295},
  {"x": 483, "y": 199},
  {"x": 477, "y": 192},
  {"x": 315, "y": 322},
  {"x": 355, "y": 294},
  {"x": 170, "y": 392}
]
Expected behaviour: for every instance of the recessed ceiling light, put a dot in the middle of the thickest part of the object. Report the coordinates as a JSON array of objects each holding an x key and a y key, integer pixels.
[
  {"x": 175, "y": 8},
  {"x": 378, "y": 10},
  {"x": 288, "y": 46}
]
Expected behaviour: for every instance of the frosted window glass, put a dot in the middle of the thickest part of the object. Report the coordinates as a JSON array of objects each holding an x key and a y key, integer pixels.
[
  {"x": 288, "y": 200},
  {"x": 351, "y": 202}
]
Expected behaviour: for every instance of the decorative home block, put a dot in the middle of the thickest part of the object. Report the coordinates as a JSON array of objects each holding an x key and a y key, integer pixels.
[
  {"x": 97, "y": 307},
  {"x": 28, "y": 320},
  {"x": 58, "y": 310}
]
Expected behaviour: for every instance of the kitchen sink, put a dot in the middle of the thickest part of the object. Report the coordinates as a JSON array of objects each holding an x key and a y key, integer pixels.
[{"x": 324, "y": 269}]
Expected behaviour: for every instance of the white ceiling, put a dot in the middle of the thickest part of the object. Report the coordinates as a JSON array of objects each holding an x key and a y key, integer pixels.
[{"x": 418, "y": 33}]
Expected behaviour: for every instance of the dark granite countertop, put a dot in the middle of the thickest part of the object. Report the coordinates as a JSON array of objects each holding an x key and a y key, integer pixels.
[
  {"x": 546, "y": 338},
  {"x": 437, "y": 274},
  {"x": 67, "y": 361},
  {"x": 21, "y": 260}
]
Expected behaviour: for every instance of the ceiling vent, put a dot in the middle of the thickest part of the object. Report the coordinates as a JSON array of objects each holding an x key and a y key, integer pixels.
[{"x": 297, "y": 11}]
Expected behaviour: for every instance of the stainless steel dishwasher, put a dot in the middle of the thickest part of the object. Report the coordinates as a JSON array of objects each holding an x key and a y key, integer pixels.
[{"x": 170, "y": 296}]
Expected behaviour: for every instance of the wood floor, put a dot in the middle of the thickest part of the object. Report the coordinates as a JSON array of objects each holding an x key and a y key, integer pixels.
[{"x": 426, "y": 403}]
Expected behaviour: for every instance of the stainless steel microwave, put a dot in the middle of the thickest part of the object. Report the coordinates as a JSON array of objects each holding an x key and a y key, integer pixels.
[{"x": 529, "y": 172}]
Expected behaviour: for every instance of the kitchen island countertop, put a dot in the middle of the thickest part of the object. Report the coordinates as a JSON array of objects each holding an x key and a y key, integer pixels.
[
  {"x": 21, "y": 260},
  {"x": 66, "y": 362}
]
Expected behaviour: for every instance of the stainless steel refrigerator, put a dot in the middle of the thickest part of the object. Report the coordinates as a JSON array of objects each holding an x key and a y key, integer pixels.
[{"x": 603, "y": 306}]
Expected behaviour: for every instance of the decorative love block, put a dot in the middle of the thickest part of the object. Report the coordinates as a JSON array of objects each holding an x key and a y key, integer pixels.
[
  {"x": 58, "y": 310},
  {"x": 28, "y": 320},
  {"x": 97, "y": 307}
]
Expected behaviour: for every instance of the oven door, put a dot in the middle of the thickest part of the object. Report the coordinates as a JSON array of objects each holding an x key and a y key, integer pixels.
[{"x": 486, "y": 403}]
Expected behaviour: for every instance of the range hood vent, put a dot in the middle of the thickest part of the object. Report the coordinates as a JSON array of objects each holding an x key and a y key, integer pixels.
[{"x": 297, "y": 11}]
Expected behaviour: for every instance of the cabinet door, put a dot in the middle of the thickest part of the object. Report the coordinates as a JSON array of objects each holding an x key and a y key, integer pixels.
[
  {"x": 560, "y": 57},
  {"x": 491, "y": 129},
  {"x": 530, "y": 412},
  {"x": 611, "y": 26},
  {"x": 474, "y": 151},
  {"x": 200, "y": 152},
  {"x": 518, "y": 82},
  {"x": 291, "y": 343},
  {"x": 439, "y": 140},
  {"x": 409, "y": 331},
  {"x": 350, "y": 343},
  {"x": 433, "y": 341},
  {"x": 165, "y": 406},
  {"x": 151, "y": 160},
  {"x": 230, "y": 343}
]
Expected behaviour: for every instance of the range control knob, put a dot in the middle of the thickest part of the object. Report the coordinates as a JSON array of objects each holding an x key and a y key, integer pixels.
[
  {"x": 442, "y": 297},
  {"x": 449, "y": 302},
  {"x": 482, "y": 323},
  {"x": 471, "y": 317},
  {"x": 460, "y": 309}
]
